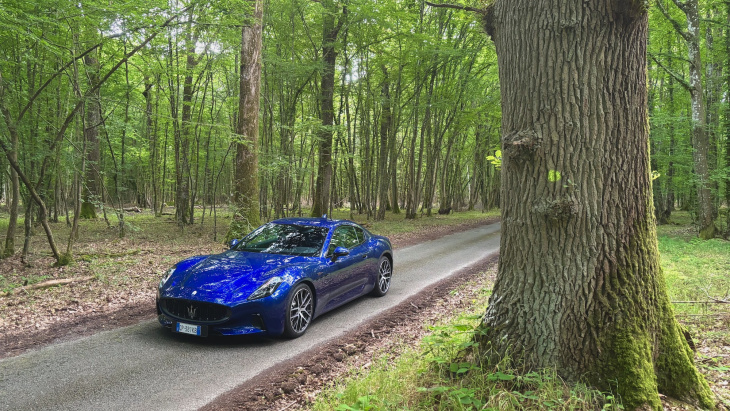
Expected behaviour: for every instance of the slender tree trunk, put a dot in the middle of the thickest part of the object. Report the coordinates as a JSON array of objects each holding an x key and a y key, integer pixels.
[
  {"x": 412, "y": 197},
  {"x": 713, "y": 97},
  {"x": 479, "y": 171},
  {"x": 700, "y": 139},
  {"x": 27, "y": 231},
  {"x": 327, "y": 89},
  {"x": 151, "y": 140},
  {"x": 385, "y": 126},
  {"x": 426, "y": 143},
  {"x": 393, "y": 143},
  {"x": 182, "y": 202},
  {"x": 91, "y": 136},
  {"x": 727, "y": 119},
  {"x": 246, "y": 190},
  {"x": 13, "y": 131},
  {"x": 579, "y": 286},
  {"x": 67, "y": 257},
  {"x": 14, "y": 200}
]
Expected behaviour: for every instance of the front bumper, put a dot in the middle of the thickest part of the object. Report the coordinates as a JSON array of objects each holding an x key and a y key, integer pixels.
[{"x": 264, "y": 316}]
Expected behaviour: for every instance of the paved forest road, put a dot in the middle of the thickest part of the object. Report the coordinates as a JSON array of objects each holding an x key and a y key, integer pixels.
[{"x": 146, "y": 367}]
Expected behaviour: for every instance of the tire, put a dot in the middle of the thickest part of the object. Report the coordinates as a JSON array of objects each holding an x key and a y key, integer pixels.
[
  {"x": 299, "y": 311},
  {"x": 385, "y": 273}
]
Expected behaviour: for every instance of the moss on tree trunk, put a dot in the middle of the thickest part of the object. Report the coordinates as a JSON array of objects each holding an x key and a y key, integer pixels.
[{"x": 87, "y": 210}]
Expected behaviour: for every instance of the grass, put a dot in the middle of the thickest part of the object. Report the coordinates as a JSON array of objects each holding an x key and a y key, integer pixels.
[
  {"x": 694, "y": 270},
  {"x": 437, "y": 375}
]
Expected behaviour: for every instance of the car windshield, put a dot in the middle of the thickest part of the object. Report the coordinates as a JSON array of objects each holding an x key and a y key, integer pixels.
[{"x": 286, "y": 239}]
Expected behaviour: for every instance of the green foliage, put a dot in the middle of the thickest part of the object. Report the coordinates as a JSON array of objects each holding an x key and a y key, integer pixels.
[{"x": 496, "y": 159}]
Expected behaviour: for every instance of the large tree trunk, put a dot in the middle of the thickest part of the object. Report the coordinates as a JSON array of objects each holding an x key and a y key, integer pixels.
[
  {"x": 246, "y": 190},
  {"x": 579, "y": 286}
]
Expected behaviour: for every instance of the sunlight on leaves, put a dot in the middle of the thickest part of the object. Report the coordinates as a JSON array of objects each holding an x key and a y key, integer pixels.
[{"x": 554, "y": 176}]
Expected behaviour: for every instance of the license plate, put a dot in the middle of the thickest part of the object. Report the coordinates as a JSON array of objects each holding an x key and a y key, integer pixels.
[{"x": 188, "y": 329}]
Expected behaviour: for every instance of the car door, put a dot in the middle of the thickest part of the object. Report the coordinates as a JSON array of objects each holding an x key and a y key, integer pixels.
[
  {"x": 341, "y": 272},
  {"x": 367, "y": 270}
]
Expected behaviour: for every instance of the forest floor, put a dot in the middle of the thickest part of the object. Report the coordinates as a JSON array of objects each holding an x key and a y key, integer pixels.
[{"x": 118, "y": 276}]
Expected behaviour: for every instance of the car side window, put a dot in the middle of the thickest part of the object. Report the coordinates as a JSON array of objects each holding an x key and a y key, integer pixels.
[
  {"x": 344, "y": 236},
  {"x": 360, "y": 235}
]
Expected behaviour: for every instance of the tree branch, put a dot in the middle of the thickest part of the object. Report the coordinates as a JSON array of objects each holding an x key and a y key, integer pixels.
[
  {"x": 681, "y": 80},
  {"x": 677, "y": 27},
  {"x": 56, "y": 74},
  {"x": 672, "y": 57},
  {"x": 681, "y": 6},
  {"x": 47, "y": 284},
  {"x": 80, "y": 103},
  {"x": 76, "y": 58},
  {"x": 456, "y": 7}
]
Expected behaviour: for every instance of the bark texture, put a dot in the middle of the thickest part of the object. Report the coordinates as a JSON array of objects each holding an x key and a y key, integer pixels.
[
  {"x": 91, "y": 187},
  {"x": 579, "y": 285},
  {"x": 700, "y": 139},
  {"x": 14, "y": 205},
  {"x": 330, "y": 30},
  {"x": 385, "y": 130},
  {"x": 246, "y": 164}
]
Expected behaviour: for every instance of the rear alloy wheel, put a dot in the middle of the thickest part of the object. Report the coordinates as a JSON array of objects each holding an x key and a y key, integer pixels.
[
  {"x": 385, "y": 272},
  {"x": 300, "y": 309}
]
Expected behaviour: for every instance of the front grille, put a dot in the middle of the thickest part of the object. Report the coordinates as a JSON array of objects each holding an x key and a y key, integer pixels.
[{"x": 195, "y": 310}]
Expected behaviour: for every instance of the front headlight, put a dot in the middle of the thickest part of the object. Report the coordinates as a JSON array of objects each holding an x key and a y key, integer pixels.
[
  {"x": 166, "y": 277},
  {"x": 266, "y": 289}
]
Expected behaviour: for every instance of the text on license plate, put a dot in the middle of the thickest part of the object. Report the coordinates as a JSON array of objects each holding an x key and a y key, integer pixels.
[{"x": 188, "y": 329}]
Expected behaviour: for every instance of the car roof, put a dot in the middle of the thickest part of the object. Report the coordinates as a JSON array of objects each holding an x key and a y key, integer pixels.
[{"x": 313, "y": 221}]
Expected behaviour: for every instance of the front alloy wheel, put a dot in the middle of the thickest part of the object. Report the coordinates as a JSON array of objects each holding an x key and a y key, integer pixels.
[
  {"x": 300, "y": 310},
  {"x": 385, "y": 272}
]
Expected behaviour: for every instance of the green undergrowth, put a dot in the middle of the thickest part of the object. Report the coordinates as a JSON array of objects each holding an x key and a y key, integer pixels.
[
  {"x": 697, "y": 271},
  {"x": 440, "y": 374}
]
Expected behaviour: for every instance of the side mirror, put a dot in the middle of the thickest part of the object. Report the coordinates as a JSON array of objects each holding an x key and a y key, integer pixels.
[
  {"x": 340, "y": 252},
  {"x": 233, "y": 243}
]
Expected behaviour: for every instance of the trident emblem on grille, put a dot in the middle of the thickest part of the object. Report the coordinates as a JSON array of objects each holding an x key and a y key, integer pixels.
[{"x": 191, "y": 311}]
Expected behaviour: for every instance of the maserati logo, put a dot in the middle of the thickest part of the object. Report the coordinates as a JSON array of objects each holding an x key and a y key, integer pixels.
[{"x": 191, "y": 311}]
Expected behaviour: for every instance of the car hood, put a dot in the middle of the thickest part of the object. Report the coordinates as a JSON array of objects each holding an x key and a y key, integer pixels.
[{"x": 231, "y": 275}]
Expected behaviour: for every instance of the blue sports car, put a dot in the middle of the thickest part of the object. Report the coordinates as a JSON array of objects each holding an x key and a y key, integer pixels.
[{"x": 275, "y": 280}]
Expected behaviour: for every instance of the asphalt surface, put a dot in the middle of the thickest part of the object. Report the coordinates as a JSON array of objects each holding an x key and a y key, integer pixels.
[{"x": 145, "y": 367}]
